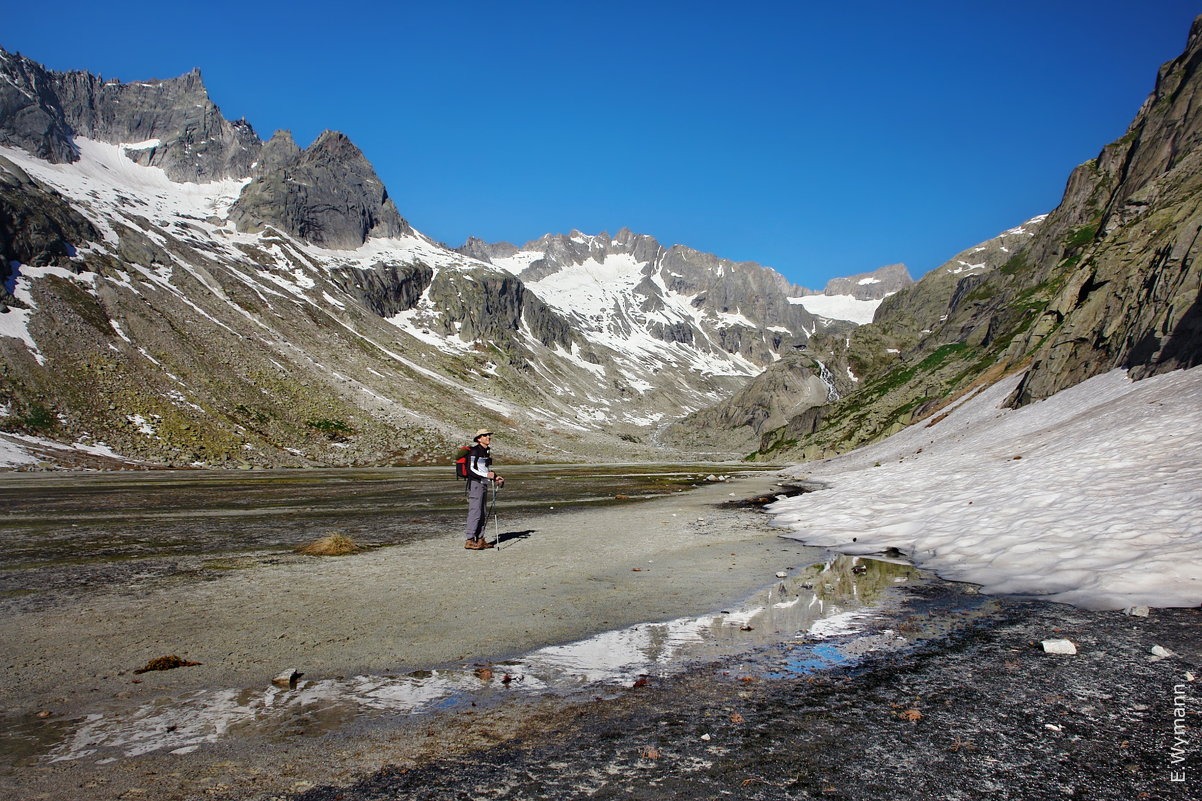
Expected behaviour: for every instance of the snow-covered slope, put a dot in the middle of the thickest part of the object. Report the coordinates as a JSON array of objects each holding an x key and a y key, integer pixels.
[
  {"x": 657, "y": 304},
  {"x": 1092, "y": 497}
]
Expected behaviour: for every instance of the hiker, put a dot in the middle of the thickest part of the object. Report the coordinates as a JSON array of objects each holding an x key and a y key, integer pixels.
[{"x": 479, "y": 475}]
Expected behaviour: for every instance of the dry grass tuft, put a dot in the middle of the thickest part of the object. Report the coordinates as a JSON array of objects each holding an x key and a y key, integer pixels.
[{"x": 333, "y": 544}]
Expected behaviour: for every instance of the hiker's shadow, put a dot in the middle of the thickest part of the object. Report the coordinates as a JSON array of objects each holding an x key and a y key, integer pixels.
[{"x": 512, "y": 536}]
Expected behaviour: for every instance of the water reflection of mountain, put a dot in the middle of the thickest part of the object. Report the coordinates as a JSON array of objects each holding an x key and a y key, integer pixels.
[{"x": 855, "y": 577}]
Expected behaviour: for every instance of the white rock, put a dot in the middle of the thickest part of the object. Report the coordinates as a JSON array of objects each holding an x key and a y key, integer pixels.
[
  {"x": 287, "y": 678},
  {"x": 1059, "y": 647},
  {"x": 705, "y": 737},
  {"x": 1160, "y": 652},
  {"x": 1136, "y": 611},
  {"x": 782, "y": 574}
]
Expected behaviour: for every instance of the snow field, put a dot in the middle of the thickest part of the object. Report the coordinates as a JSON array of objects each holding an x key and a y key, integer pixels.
[{"x": 1092, "y": 497}]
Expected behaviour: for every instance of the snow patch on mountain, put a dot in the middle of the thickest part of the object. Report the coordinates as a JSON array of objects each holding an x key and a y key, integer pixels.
[{"x": 839, "y": 307}]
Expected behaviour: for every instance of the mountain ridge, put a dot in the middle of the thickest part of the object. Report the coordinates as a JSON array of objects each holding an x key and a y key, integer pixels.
[{"x": 281, "y": 312}]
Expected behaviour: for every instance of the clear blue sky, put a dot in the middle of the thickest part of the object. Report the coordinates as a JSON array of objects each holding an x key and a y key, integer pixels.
[{"x": 821, "y": 139}]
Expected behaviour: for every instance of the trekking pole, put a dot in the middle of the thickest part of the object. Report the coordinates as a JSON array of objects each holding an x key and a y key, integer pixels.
[{"x": 496, "y": 527}]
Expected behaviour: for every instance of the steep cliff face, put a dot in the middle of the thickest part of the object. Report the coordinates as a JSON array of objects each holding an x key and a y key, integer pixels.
[
  {"x": 33, "y": 119},
  {"x": 1109, "y": 279},
  {"x": 1125, "y": 248},
  {"x": 36, "y": 226},
  {"x": 170, "y": 124}
]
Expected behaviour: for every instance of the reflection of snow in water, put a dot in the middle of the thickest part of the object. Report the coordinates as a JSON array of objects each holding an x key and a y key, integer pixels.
[{"x": 815, "y": 603}]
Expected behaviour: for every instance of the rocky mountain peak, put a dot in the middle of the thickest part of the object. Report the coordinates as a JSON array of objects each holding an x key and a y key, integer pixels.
[
  {"x": 31, "y": 117},
  {"x": 172, "y": 124},
  {"x": 328, "y": 194},
  {"x": 280, "y": 151},
  {"x": 334, "y": 146},
  {"x": 478, "y": 249}
]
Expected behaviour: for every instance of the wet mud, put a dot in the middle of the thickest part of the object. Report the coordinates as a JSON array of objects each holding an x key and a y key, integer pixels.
[
  {"x": 787, "y": 489},
  {"x": 70, "y": 535},
  {"x": 947, "y": 695}
]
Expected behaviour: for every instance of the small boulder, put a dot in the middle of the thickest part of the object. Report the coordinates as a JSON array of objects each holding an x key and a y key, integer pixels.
[
  {"x": 1059, "y": 647},
  {"x": 288, "y": 678}
]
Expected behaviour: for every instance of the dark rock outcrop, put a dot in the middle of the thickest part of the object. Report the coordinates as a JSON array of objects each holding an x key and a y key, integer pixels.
[
  {"x": 31, "y": 116},
  {"x": 786, "y": 389},
  {"x": 491, "y": 305},
  {"x": 386, "y": 289},
  {"x": 37, "y": 227},
  {"x": 328, "y": 195}
]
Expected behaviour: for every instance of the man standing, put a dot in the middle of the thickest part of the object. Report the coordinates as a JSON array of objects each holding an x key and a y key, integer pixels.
[{"x": 479, "y": 475}]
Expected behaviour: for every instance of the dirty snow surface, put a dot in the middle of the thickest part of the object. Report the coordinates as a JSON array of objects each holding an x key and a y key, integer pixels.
[{"x": 1092, "y": 497}]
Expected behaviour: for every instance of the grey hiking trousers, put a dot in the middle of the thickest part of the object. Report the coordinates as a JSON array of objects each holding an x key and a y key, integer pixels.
[{"x": 477, "y": 509}]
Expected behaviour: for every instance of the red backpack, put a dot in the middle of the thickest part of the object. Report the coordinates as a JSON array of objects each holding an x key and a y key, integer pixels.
[{"x": 461, "y": 462}]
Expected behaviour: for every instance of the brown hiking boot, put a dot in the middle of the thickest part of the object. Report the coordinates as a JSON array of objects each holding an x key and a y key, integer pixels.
[
  {"x": 485, "y": 544},
  {"x": 472, "y": 545}
]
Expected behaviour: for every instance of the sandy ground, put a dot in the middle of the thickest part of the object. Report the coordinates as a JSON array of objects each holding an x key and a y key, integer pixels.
[{"x": 559, "y": 577}]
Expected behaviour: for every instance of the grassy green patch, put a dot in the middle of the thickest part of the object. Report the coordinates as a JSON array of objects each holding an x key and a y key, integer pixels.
[
  {"x": 1081, "y": 236},
  {"x": 254, "y": 415},
  {"x": 38, "y": 417},
  {"x": 333, "y": 429},
  {"x": 1014, "y": 265},
  {"x": 941, "y": 355}
]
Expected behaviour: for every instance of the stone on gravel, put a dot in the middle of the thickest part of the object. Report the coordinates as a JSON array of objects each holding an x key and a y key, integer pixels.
[
  {"x": 287, "y": 678},
  {"x": 1059, "y": 647}
]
